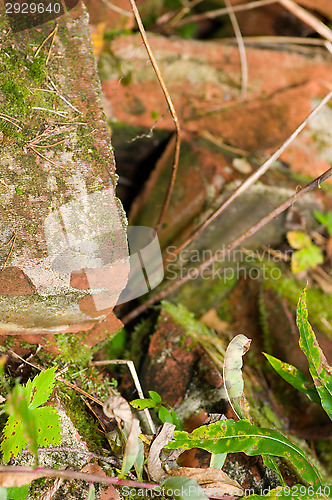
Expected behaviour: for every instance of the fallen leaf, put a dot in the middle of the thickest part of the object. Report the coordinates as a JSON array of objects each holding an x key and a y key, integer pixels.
[
  {"x": 10, "y": 479},
  {"x": 118, "y": 408},
  {"x": 212, "y": 320},
  {"x": 212, "y": 481}
]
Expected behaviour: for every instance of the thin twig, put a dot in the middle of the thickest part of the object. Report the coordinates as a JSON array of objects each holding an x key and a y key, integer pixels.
[
  {"x": 254, "y": 176},
  {"x": 205, "y": 134},
  {"x": 53, "y": 32},
  {"x": 307, "y": 18},
  {"x": 12, "y": 240},
  {"x": 117, "y": 9},
  {"x": 212, "y": 14},
  {"x": 194, "y": 272},
  {"x": 52, "y": 43},
  {"x": 171, "y": 109},
  {"x": 11, "y": 120},
  {"x": 242, "y": 49}
]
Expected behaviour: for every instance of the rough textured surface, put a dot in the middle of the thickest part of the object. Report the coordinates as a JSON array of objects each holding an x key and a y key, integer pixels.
[{"x": 68, "y": 129}]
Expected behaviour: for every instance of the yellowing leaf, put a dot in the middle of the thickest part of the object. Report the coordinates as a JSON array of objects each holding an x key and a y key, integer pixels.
[
  {"x": 306, "y": 258},
  {"x": 298, "y": 239}
]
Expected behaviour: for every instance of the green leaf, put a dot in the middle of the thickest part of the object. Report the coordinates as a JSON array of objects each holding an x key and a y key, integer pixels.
[
  {"x": 177, "y": 421},
  {"x": 92, "y": 492},
  {"x": 325, "y": 219},
  {"x": 29, "y": 423},
  {"x": 155, "y": 396},
  {"x": 165, "y": 415},
  {"x": 232, "y": 374},
  {"x": 48, "y": 426},
  {"x": 132, "y": 447},
  {"x": 298, "y": 239},
  {"x": 182, "y": 488},
  {"x": 294, "y": 377},
  {"x": 17, "y": 405},
  {"x": 231, "y": 437},
  {"x": 271, "y": 462},
  {"x": 306, "y": 258},
  {"x": 319, "y": 368},
  {"x": 3, "y": 494},
  {"x": 141, "y": 404},
  {"x": 217, "y": 460},
  {"x": 18, "y": 492},
  {"x": 41, "y": 387}
]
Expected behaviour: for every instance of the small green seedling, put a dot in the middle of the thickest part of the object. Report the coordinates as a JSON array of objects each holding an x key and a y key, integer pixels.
[{"x": 154, "y": 402}]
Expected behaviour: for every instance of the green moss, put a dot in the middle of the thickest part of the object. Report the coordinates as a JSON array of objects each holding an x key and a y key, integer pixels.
[{"x": 85, "y": 425}]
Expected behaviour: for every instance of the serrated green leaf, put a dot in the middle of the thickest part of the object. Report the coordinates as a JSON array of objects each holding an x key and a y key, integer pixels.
[
  {"x": 232, "y": 374},
  {"x": 29, "y": 423},
  {"x": 306, "y": 258},
  {"x": 17, "y": 406},
  {"x": 13, "y": 439},
  {"x": 48, "y": 426},
  {"x": 294, "y": 377},
  {"x": 298, "y": 239},
  {"x": 41, "y": 387},
  {"x": 141, "y": 404},
  {"x": 319, "y": 368},
  {"x": 155, "y": 396},
  {"x": 231, "y": 437},
  {"x": 182, "y": 488}
]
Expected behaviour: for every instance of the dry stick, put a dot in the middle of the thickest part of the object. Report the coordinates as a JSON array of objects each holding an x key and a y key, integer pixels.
[
  {"x": 194, "y": 273},
  {"x": 171, "y": 109},
  {"x": 242, "y": 50},
  {"x": 10, "y": 120},
  {"x": 253, "y": 177},
  {"x": 307, "y": 18},
  {"x": 12, "y": 240},
  {"x": 212, "y": 14},
  {"x": 53, "y": 32}
]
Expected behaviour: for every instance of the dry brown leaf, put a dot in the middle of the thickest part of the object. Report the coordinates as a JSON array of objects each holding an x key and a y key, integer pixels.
[
  {"x": 212, "y": 481},
  {"x": 117, "y": 407},
  {"x": 212, "y": 320},
  {"x": 11, "y": 479}
]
